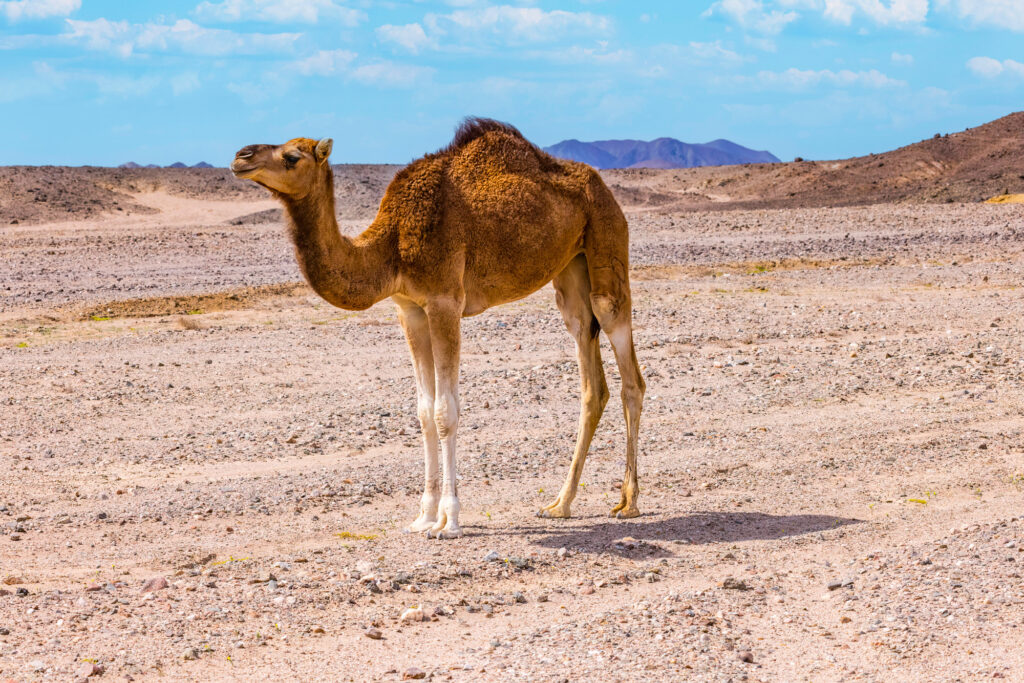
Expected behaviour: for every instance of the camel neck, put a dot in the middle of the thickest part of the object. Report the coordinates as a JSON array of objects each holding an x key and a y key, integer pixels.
[{"x": 349, "y": 273}]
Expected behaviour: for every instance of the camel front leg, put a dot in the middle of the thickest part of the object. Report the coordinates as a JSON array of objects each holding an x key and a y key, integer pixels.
[
  {"x": 445, "y": 337},
  {"x": 417, "y": 334}
]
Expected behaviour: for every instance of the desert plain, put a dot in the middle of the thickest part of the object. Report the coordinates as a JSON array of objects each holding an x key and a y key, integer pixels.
[{"x": 205, "y": 470}]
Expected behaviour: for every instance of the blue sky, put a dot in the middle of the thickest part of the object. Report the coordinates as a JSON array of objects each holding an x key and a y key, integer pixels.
[{"x": 103, "y": 82}]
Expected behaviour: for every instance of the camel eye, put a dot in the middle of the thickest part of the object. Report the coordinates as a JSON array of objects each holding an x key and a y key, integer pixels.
[{"x": 292, "y": 158}]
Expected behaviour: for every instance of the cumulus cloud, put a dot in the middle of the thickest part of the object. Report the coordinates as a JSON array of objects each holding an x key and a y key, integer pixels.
[
  {"x": 124, "y": 38},
  {"x": 800, "y": 79},
  {"x": 754, "y": 14},
  {"x": 279, "y": 11},
  {"x": 325, "y": 63},
  {"x": 1008, "y": 14},
  {"x": 986, "y": 67},
  {"x": 392, "y": 75},
  {"x": 410, "y": 37},
  {"x": 770, "y": 17},
  {"x": 899, "y": 58},
  {"x": 509, "y": 24},
  {"x": 16, "y": 10}
]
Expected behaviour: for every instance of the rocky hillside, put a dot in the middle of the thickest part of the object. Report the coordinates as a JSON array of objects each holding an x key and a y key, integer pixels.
[{"x": 660, "y": 153}]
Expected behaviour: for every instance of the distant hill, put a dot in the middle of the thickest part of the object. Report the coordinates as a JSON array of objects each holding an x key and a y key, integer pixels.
[
  {"x": 202, "y": 164},
  {"x": 177, "y": 164},
  {"x": 660, "y": 153}
]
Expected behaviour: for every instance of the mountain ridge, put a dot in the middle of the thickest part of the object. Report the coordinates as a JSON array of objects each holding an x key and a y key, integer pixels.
[{"x": 663, "y": 152}]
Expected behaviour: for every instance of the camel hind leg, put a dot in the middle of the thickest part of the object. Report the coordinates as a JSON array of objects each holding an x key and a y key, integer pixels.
[
  {"x": 607, "y": 242},
  {"x": 572, "y": 293}
]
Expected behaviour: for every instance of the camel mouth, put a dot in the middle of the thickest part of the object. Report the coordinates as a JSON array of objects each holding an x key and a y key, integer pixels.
[{"x": 241, "y": 170}]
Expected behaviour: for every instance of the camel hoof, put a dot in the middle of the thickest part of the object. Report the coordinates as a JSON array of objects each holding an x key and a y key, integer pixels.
[
  {"x": 445, "y": 534},
  {"x": 555, "y": 511},
  {"x": 624, "y": 513}
]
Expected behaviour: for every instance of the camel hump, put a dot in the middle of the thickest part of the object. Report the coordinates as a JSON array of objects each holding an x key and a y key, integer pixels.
[{"x": 473, "y": 127}]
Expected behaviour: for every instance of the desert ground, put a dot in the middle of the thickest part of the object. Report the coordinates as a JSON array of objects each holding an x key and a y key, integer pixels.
[{"x": 206, "y": 469}]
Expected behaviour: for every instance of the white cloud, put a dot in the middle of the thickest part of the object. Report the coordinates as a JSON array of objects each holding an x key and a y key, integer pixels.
[
  {"x": 515, "y": 24},
  {"x": 899, "y": 58},
  {"x": 986, "y": 67},
  {"x": 895, "y": 12},
  {"x": 799, "y": 79},
  {"x": 280, "y": 11},
  {"x": 770, "y": 17},
  {"x": 752, "y": 14},
  {"x": 16, "y": 10},
  {"x": 412, "y": 37},
  {"x": 1008, "y": 14},
  {"x": 183, "y": 35},
  {"x": 325, "y": 63}
]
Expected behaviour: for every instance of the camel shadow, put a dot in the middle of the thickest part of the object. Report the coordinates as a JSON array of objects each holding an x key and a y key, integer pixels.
[{"x": 697, "y": 528}]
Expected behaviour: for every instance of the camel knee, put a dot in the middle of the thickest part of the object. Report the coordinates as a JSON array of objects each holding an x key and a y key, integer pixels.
[
  {"x": 425, "y": 412},
  {"x": 446, "y": 415},
  {"x": 596, "y": 398},
  {"x": 606, "y": 309}
]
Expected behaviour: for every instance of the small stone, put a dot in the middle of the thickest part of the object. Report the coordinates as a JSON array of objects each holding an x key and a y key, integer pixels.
[
  {"x": 413, "y": 614},
  {"x": 745, "y": 656},
  {"x": 413, "y": 673},
  {"x": 735, "y": 584},
  {"x": 155, "y": 584},
  {"x": 561, "y": 552},
  {"x": 4, "y": 631},
  {"x": 88, "y": 669},
  {"x": 190, "y": 654},
  {"x": 587, "y": 590},
  {"x": 492, "y": 556},
  {"x": 518, "y": 597},
  {"x": 373, "y": 633},
  {"x": 543, "y": 597},
  {"x": 835, "y": 585},
  {"x": 845, "y": 620}
]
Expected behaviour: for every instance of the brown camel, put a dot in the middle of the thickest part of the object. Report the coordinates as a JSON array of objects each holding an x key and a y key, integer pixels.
[{"x": 487, "y": 220}]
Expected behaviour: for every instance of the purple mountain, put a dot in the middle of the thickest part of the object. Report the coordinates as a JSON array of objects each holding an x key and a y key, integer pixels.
[{"x": 660, "y": 153}]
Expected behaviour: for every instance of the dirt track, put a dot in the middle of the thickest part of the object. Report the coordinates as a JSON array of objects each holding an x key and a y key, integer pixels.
[{"x": 832, "y": 464}]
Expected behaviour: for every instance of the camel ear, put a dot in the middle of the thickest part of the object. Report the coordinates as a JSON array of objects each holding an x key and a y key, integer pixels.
[{"x": 323, "y": 149}]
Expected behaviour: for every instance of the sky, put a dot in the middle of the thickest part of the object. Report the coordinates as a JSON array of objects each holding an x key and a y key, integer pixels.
[{"x": 103, "y": 82}]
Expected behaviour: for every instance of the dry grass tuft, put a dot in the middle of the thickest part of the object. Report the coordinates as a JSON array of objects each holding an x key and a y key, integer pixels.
[{"x": 190, "y": 322}]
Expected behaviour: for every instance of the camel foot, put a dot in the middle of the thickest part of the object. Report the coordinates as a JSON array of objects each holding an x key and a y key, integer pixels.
[
  {"x": 445, "y": 533},
  {"x": 421, "y": 523},
  {"x": 447, "y": 524},
  {"x": 557, "y": 510},
  {"x": 624, "y": 510}
]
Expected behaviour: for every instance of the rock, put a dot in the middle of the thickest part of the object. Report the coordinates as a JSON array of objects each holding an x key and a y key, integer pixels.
[
  {"x": 518, "y": 597},
  {"x": 190, "y": 654},
  {"x": 835, "y": 585},
  {"x": 745, "y": 656},
  {"x": 13, "y": 580},
  {"x": 734, "y": 584},
  {"x": 562, "y": 552},
  {"x": 88, "y": 669},
  {"x": 543, "y": 597},
  {"x": 627, "y": 543},
  {"x": 4, "y": 631},
  {"x": 413, "y": 614},
  {"x": 413, "y": 673},
  {"x": 373, "y": 633},
  {"x": 155, "y": 584},
  {"x": 492, "y": 556}
]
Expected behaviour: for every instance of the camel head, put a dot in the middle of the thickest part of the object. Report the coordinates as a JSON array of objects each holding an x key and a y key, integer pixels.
[{"x": 291, "y": 169}]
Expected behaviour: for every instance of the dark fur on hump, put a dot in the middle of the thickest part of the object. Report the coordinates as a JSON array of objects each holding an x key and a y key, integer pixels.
[{"x": 473, "y": 127}]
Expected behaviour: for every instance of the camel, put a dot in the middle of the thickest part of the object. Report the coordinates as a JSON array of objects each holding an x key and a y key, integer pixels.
[{"x": 487, "y": 220}]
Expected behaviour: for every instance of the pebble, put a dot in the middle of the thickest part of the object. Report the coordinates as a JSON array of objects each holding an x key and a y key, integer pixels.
[
  {"x": 190, "y": 654},
  {"x": 373, "y": 633},
  {"x": 155, "y": 584},
  {"x": 745, "y": 656},
  {"x": 492, "y": 556},
  {"x": 88, "y": 669},
  {"x": 413, "y": 614},
  {"x": 413, "y": 673}
]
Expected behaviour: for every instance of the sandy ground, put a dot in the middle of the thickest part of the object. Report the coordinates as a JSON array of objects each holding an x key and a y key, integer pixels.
[{"x": 832, "y": 463}]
